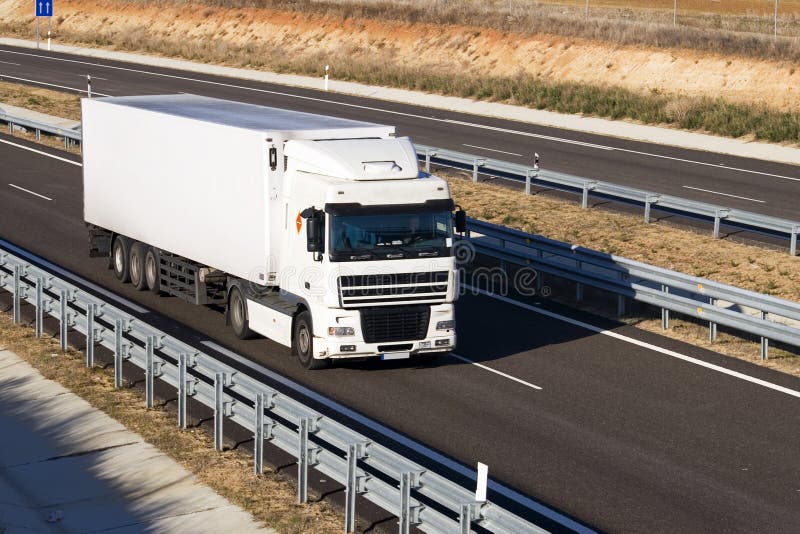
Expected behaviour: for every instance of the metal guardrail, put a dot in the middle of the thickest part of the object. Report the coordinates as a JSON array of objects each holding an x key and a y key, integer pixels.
[
  {"x": 416, "y": 495},
  {"x": 585, "y": 186},
  {"x": 717, "y": 303},
  {"x": 68, "y": 134}
]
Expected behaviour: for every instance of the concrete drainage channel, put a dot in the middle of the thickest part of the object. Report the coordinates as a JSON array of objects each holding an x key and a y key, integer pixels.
[{"x": 421, "y": 489}]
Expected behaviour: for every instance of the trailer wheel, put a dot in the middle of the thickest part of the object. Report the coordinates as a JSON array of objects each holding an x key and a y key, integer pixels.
[
  {"x": 136, "y": 266},
  {"x": 237, "y": 315},
  {"x": 151, "y": 270},
  {"x": 303, "y": 341},
  {"x": 120, "y": 260}
]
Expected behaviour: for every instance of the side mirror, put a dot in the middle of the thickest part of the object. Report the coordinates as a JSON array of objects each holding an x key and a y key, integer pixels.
[
  {"x": 315, "y": 230},
  {"x": 461, "y": 221}
]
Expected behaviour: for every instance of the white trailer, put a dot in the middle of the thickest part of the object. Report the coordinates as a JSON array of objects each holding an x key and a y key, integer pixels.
[{"x": 317, "y": 232}]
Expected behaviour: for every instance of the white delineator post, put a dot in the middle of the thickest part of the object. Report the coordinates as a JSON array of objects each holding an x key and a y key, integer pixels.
[
  {"x": 327, "y": 67},
  {"x": 776, "y": 19},
  {"x": 483, "y": 478}
]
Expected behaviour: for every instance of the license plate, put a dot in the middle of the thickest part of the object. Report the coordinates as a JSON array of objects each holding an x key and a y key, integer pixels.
[{"x": 395, "y": 356}]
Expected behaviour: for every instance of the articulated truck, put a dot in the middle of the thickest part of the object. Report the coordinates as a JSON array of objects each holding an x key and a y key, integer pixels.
[{"x": 317, "y": 232}]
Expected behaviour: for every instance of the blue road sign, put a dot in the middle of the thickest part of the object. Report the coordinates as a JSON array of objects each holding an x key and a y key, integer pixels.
[{"x": 44, "y": 8}]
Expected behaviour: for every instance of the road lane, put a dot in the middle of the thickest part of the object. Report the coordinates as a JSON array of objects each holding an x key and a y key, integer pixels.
[{"x": 620, "y": 436}]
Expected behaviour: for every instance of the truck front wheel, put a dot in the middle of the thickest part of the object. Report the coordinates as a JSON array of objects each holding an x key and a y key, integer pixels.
[
  {"x": 237, "y": 315},
  {"x": 120, "y": 260},
  {"x": 303, "y": 340}
]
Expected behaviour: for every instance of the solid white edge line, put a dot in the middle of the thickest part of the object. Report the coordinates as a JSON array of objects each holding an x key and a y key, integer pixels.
[
  {"x": 495, "y": 371},
  {"x": 29, "y": 191},
  {"x": 492, "y": 150},
  {"x": 643, "y": 344},
  {"x": 724, "y": 194},
  {"x": 23, "y": 147}
]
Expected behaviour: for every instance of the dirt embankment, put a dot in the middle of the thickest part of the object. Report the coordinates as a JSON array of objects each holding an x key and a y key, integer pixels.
[{"x": 318, "y": 40}]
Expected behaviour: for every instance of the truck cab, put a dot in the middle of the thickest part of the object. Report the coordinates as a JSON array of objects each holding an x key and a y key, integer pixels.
[{"x": 368, "y": 251}]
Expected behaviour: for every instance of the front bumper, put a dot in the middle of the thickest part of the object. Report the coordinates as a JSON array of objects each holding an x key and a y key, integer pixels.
[{"x": 343, "y": 347}]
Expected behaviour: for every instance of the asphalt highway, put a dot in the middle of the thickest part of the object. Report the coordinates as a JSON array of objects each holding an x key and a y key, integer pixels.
[
  {"x": 743, "y": 183},
  {"x": 624, "y": 430}
]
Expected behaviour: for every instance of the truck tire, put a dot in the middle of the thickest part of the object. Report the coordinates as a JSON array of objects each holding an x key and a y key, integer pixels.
[
  {"x": 302, "y": 339},
  {"x": 152, "y": 270},
  {"x": 119, "y": 258},
  {"x": 237, "y": 315},
  {"x": 136, "y": 266}
]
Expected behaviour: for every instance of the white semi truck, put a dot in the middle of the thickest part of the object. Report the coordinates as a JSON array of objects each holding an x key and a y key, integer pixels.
[{"x": 317, "y": 232}]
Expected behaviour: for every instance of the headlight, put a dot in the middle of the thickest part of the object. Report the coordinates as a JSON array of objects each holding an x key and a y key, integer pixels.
[
  {"x": 446, "y": 325},
  {"x": 341, "y": 331}
]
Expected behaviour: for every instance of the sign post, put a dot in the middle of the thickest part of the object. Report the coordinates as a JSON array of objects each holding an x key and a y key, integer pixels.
[{"x": 44, "y": 8}]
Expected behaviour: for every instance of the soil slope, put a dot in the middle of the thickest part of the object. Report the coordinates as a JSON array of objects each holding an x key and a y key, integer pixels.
[{"x": 318, "y": 40}]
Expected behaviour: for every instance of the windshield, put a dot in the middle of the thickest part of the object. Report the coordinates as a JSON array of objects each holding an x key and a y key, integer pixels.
[{"x": 396, "y": 236}]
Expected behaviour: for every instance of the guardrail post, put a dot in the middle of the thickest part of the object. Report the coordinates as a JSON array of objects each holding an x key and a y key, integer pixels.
[
  {"x": 39, "y": 317},
  {"x": 408, "y": 515},
  {"x": 530, "y": 174},
  {"x": 149, "y": 373},
  {"x": 302, "y": 461},
  {"x": 38, "y": 134},
  {"x": 649, "y": 200},
  {"x": 63, "y": 324},
  {"x": 712, "y": 326},
  {"x": 621, "y": 299},
  {"x": 428, "y": 155},
  {"x": 118, "y": 354},
  {"x": 578, "y": 285},
  {"x": 477, "y": 162},
  {"x": 182, "y": 390},
  {"x": 90, "y": 311},
  {"x": 10, "y": 127},
  {"x": 664, "y": 312},
  {"x": 219, "y": 409},
  {"x": 470, "y": 511},
  {"x": 587, "y": 186},
  {"x": 718, "y": 216},
  {"x": 16, "y": 313},
  {"x": 350, "y": 489},
  {"x": 764, "y": 340},
  {"x": 405, "y": 503},
  {"x": 793, "y": 241},
  {"x": 258, "y": 437}
]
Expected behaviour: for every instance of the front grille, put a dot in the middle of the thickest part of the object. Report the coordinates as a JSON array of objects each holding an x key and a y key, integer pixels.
[
  {"x": 395, "y": 323},
  {"x": 393, "y": 279},
  {"x": 397, "y": 288}
]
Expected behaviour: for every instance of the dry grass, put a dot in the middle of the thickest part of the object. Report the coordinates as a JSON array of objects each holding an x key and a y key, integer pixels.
[
  {"x": 747, "y": 266},
  {"x": 270, "y": 498},
  {"x": 734, "y": 344},
  {"x": 63, "y": 105},
  {"x": 730, "y": 345},
  {"x": 363, "y": 63},
  {"x": 728, "y": 27},
  {"x": 60, "y": 104}
]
